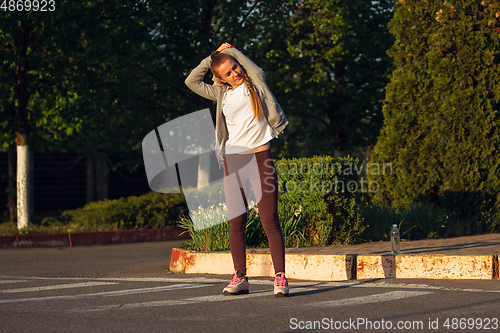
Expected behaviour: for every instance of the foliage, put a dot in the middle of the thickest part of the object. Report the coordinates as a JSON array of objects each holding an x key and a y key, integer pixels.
[
  {"x": 102, "y": 74},
  {"x": 414, "y": 221},
  {"x": 50, "y": 226},
  {"x": 317, "y": 204},
  {"x": 441, "y": 131},
  {"x": 328, "y": 190},
  {"x": 216, "y": 238},
  {"x": 292, "y": 223},
  {"x": 327, "y": 65},
  {"x": 149, "y": 211}
]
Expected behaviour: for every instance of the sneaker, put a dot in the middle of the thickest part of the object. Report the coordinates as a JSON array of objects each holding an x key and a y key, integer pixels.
[
  {"x": 280, "y": 285},
  {"x": 237, "y": 286}
]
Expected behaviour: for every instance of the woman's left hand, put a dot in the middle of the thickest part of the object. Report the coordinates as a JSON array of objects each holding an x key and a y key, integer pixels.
[{"x": 224, "y": 46}]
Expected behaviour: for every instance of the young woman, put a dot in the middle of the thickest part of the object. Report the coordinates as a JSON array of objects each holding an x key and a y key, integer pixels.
[{"x": 248, "y": 117}]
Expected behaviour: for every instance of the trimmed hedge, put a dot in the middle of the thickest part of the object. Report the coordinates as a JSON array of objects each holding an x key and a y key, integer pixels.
[{"x": 149, "y": 211}]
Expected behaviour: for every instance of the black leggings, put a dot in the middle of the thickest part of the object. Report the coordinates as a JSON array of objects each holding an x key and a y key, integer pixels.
[{"x": 265, "y": 175}]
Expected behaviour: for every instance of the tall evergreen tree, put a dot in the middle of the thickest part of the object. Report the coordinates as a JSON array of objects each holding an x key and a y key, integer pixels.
[{"x": 441, "y": 131}]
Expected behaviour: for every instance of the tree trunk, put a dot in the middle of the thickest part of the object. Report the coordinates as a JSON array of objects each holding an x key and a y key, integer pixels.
[
  {"x": 101, "y": 177},
  {"x": 23, "y": 216},
  {"x": 11, "y": 183},
  {"x": 31, "y": 184},
  {"x": 206, "y": 25},
  {"x": 90, "y": 176},
  {"x": 97, "y": 178},
  {"x": 22, "y": 125},
  {"x": 341, "y": 142},
  {"x": 339, "y": 134}
]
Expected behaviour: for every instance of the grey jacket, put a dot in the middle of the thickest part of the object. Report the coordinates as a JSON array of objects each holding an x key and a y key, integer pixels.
[{"x": 272, "y": 110}]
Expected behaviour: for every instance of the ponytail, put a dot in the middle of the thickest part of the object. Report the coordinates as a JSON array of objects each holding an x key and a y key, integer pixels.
[
  {"x": 217, "y": 59},
  {"x": 258, "y": 112}
]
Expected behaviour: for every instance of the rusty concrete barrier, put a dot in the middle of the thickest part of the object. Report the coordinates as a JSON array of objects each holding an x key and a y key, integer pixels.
[
  {"x": 298, "y": 266},
  {"x": 185, "y": 261},
  {"x": 438, "y": 266},
  {"x": 341, "y": 267},
  {"x": 444, "y": 266},
  {"x": 375, "y": 267}
]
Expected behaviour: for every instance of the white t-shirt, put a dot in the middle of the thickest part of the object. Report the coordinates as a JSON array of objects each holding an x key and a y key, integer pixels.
[{"x": 245, "y": 132}]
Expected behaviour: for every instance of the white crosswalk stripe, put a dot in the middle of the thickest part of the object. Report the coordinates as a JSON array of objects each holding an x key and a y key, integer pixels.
[
  {"x": 199, "y": 282},
  {"x": 59, "y": 286},
  {"x": 192, "y": 300},
  {"x": 175, "y": 280},
  {"x": 103, "y": 294},
  {"x": 377, "y": 298},
  {"x": 11, "y": 281}
]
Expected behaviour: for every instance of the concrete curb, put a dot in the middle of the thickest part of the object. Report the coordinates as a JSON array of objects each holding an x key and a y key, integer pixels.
[
  {"x": 436, "y": 266},
  {"x": 340, "y": 267},
  {"x": 298, "y": 266},
  {"x": 91, "y": 238}
]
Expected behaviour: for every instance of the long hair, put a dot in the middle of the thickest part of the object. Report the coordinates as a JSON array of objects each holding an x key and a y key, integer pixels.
[{"x": 218, "y": 59}]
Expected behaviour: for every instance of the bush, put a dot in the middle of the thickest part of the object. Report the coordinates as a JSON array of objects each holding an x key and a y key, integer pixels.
[
  {"x": 441, "y": 130},
  {"x": 152, "y": 210},
  {"x": 317, "y": 204},
  {"x": 328, "y": 190},
  {"x": 414, "y": 221}
]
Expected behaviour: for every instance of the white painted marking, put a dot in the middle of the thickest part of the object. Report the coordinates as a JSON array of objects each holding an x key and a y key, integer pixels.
[
  {"x": 179, "y": 280},
  {"x": 104, "y": 294},
  {"x": 11, "y": 281},
  {"x": 385, "y": 297},
  {"x": 384, "y": 284},
  {"x": 192, "y": 300},
  {"x": 59, "y": 286},
  {"x": 210, "y": 280},
  {"x": 351, "y": 283},
  {"x": 175, "y": 280}
]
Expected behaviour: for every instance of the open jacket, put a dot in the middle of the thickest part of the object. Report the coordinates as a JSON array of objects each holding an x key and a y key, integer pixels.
[{"x": 273, "y": 113}]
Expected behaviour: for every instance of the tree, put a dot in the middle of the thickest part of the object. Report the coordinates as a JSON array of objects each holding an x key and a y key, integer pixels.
[
  {"x": 330, "y": 65},
  {"x": 50, "y": 60},
  {"x": 27, "y": 40},
  {"x": 99, "y": 75},
  {"x": 441, "y": 131}
]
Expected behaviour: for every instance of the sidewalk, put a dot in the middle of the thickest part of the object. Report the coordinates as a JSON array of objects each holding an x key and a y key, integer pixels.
[{"x": 470, "y": 257}]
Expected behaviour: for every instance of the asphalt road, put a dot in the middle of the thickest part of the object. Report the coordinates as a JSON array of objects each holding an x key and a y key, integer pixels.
[{"x": 127, "y": 288}]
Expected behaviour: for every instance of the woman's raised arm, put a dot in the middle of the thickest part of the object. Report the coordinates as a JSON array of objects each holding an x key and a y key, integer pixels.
[
  {"x": 195, "y": 82},
  {"x": 252, "y": 69}
]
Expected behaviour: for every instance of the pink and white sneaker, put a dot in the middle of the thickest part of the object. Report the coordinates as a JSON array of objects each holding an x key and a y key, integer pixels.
[
  {"x": 281, "y": 285},
  {"x": 237, "y": 286}
]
